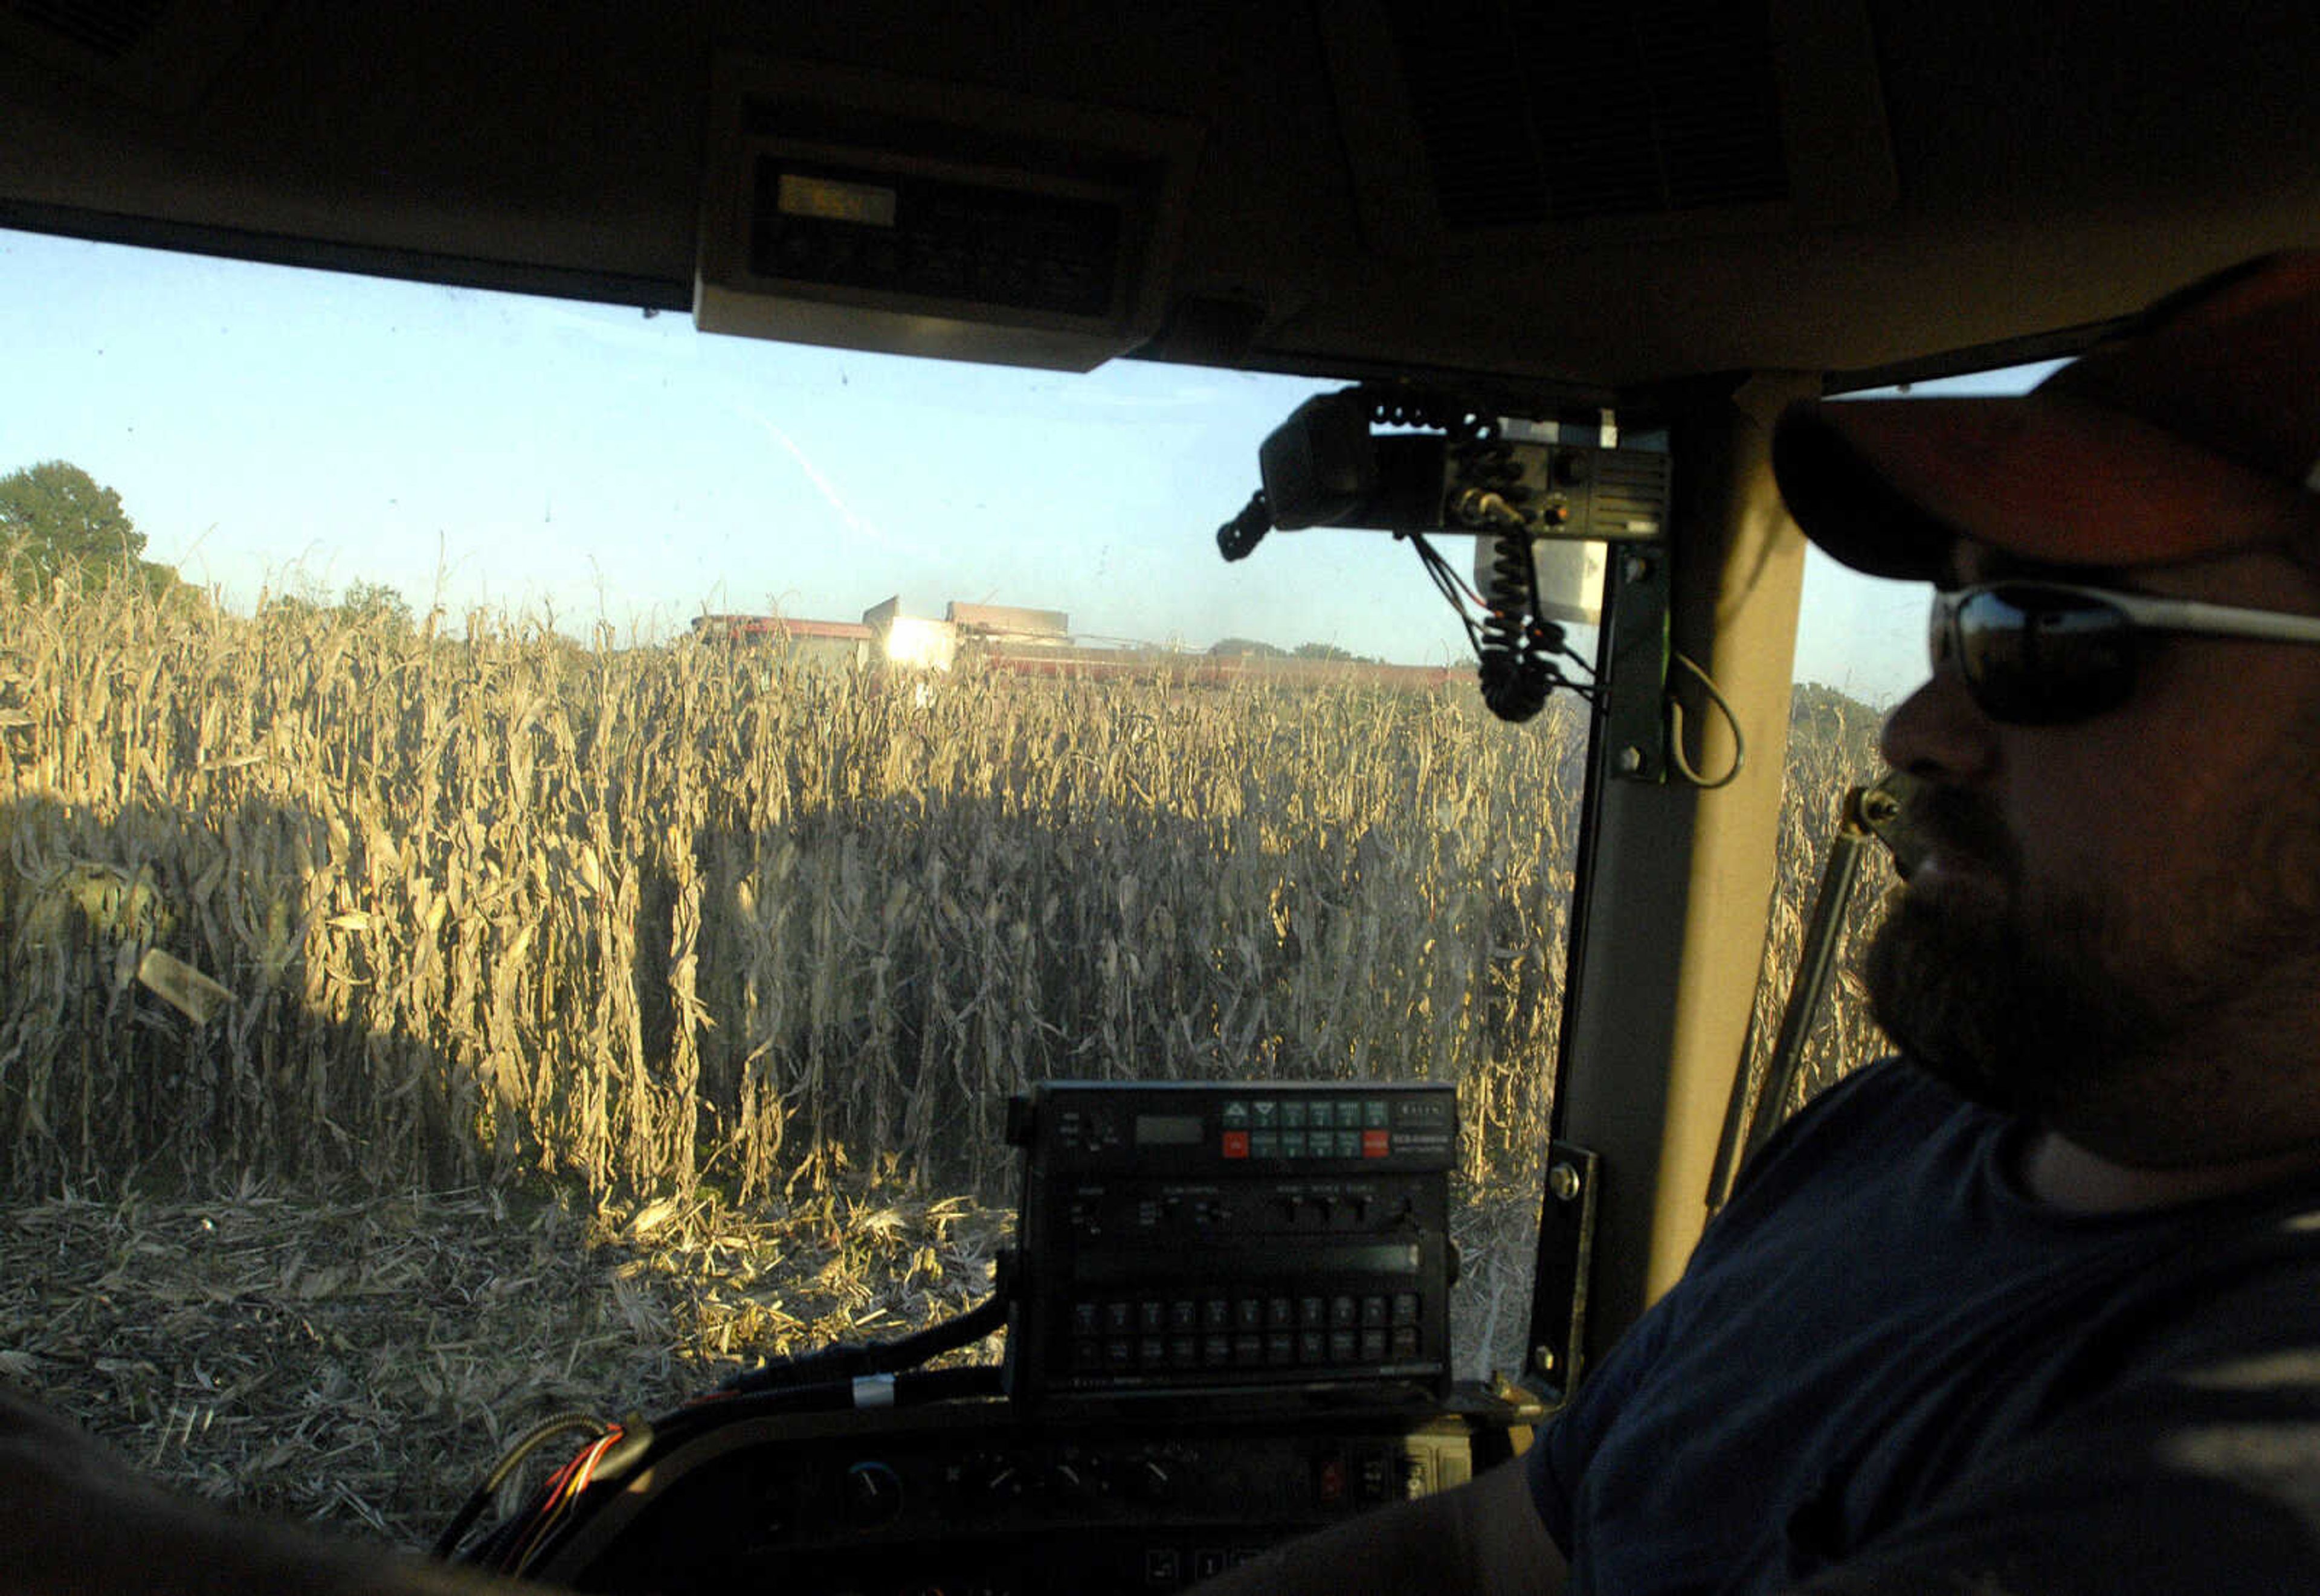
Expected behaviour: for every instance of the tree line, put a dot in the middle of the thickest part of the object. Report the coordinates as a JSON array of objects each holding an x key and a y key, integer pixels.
[{"x": 59, "y": 525}]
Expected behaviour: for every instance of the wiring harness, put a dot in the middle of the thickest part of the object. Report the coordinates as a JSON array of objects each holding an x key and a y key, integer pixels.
[{"x": 880, "y": 1374}]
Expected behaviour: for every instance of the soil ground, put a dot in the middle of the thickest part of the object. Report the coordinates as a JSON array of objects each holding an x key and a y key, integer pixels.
[{"x": 362, "y": 1360}]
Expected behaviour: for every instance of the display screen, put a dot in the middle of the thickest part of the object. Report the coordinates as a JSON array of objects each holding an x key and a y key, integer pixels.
[
  {"x": 1169, "y": 1131},
  {"x": 833, "y": 200}
]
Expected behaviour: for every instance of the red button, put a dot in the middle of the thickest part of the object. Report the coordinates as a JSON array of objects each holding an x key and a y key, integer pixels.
[
  {"x": 1373, "y": 1144},
  {"x": 1236, "y": 1144}
]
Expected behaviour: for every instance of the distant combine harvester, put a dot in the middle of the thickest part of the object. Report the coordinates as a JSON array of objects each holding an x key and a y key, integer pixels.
[{"x": 1016, "y": 642}]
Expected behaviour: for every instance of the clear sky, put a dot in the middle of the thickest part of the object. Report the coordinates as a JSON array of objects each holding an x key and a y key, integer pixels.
[{"x": 271, "y": 427}]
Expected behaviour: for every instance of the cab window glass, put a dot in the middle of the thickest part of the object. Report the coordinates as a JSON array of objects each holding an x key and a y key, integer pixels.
[
  {"x": 1861, "y": 649},
  {"x": 647, "y": 800}
]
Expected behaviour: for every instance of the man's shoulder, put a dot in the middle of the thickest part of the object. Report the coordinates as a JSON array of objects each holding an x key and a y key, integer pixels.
[
  {"x": 1879, "y": 1088},
  {"x": 2240, "y": 1278},
  {"x": 1861, "y": 1126}
]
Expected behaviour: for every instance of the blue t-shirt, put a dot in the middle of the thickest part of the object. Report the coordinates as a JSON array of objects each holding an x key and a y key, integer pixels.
[{"x": 1887, "y": 1368}]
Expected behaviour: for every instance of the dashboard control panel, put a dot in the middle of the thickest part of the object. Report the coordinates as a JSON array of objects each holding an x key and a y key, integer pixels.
[
  {"x": 1211, "y": 1235},
  {"x": 977, "y": 1497}
]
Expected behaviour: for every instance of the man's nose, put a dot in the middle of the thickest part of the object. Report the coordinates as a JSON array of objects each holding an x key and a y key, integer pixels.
[{"x": 1938, "y": 733}]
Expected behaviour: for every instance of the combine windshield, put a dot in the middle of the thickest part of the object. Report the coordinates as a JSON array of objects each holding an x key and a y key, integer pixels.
[{"x": 644, "y": 802}]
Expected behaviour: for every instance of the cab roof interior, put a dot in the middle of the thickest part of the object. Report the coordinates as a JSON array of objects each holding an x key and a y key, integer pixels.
[{"x": 1597, "y": 196}]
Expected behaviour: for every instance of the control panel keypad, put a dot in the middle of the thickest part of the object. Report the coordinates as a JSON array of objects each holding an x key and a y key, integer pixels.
[
  {"x": 1298, "y": 1129},
  {"x": 1232, "y": 1235},
  {"x": 1244, "y": 1332}
]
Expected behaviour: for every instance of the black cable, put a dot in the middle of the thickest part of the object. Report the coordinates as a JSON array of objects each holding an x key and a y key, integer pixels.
[
  {"x": 848, "y": 1362},
  {"x": 1520, "y": 646},
  {"x": 907, "y": 1388},
  {"x": 822, "y": 1376},
  {"x": 1551, "y": 638},
  {"x": 1515, "y": 650},
  {"x": 1439, "y": 412},
  {"x": 1547, "y": 636},
  {"x": 1516, "y": 680},
  {"x": 530, "y": 1442},
  {"x": 910, "y": 1389},
  {"x": 1446, "y": 582}
]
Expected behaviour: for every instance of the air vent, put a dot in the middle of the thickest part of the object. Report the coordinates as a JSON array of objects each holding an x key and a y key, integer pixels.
[
  {"x": 108, "y": 28},
  {"x": 1631, "y": 492},
  {"x": 161, "y": 55},
  {"x": 1557, "y": 111}
]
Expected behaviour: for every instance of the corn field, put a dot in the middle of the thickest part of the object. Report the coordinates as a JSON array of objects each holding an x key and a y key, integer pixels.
[{"x": 303, "y": 896}]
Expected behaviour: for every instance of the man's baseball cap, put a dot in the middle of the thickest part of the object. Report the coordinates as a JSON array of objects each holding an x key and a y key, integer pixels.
[{"x": 2194, "y": 431}]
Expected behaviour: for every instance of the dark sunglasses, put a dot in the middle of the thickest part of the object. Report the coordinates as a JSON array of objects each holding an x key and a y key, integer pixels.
[{"x": 2048, "y": 653}]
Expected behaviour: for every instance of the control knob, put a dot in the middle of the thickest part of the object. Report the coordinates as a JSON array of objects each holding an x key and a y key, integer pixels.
[
  {"x": 872, "y": 1494},
  {"x": 1151, "y": 1479}
]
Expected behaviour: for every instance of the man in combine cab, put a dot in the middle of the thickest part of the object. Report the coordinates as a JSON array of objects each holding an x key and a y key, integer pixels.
[{"x": 2036, "y": 1307}]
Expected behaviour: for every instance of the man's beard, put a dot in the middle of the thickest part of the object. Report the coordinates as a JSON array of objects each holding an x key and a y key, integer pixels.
[
  {"x": 2022, "y": 1021},
  {"x": 2092, "y": 1015}
]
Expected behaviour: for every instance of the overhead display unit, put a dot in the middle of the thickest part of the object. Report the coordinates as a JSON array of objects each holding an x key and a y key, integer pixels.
[{"x": 871, "y": 210}]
